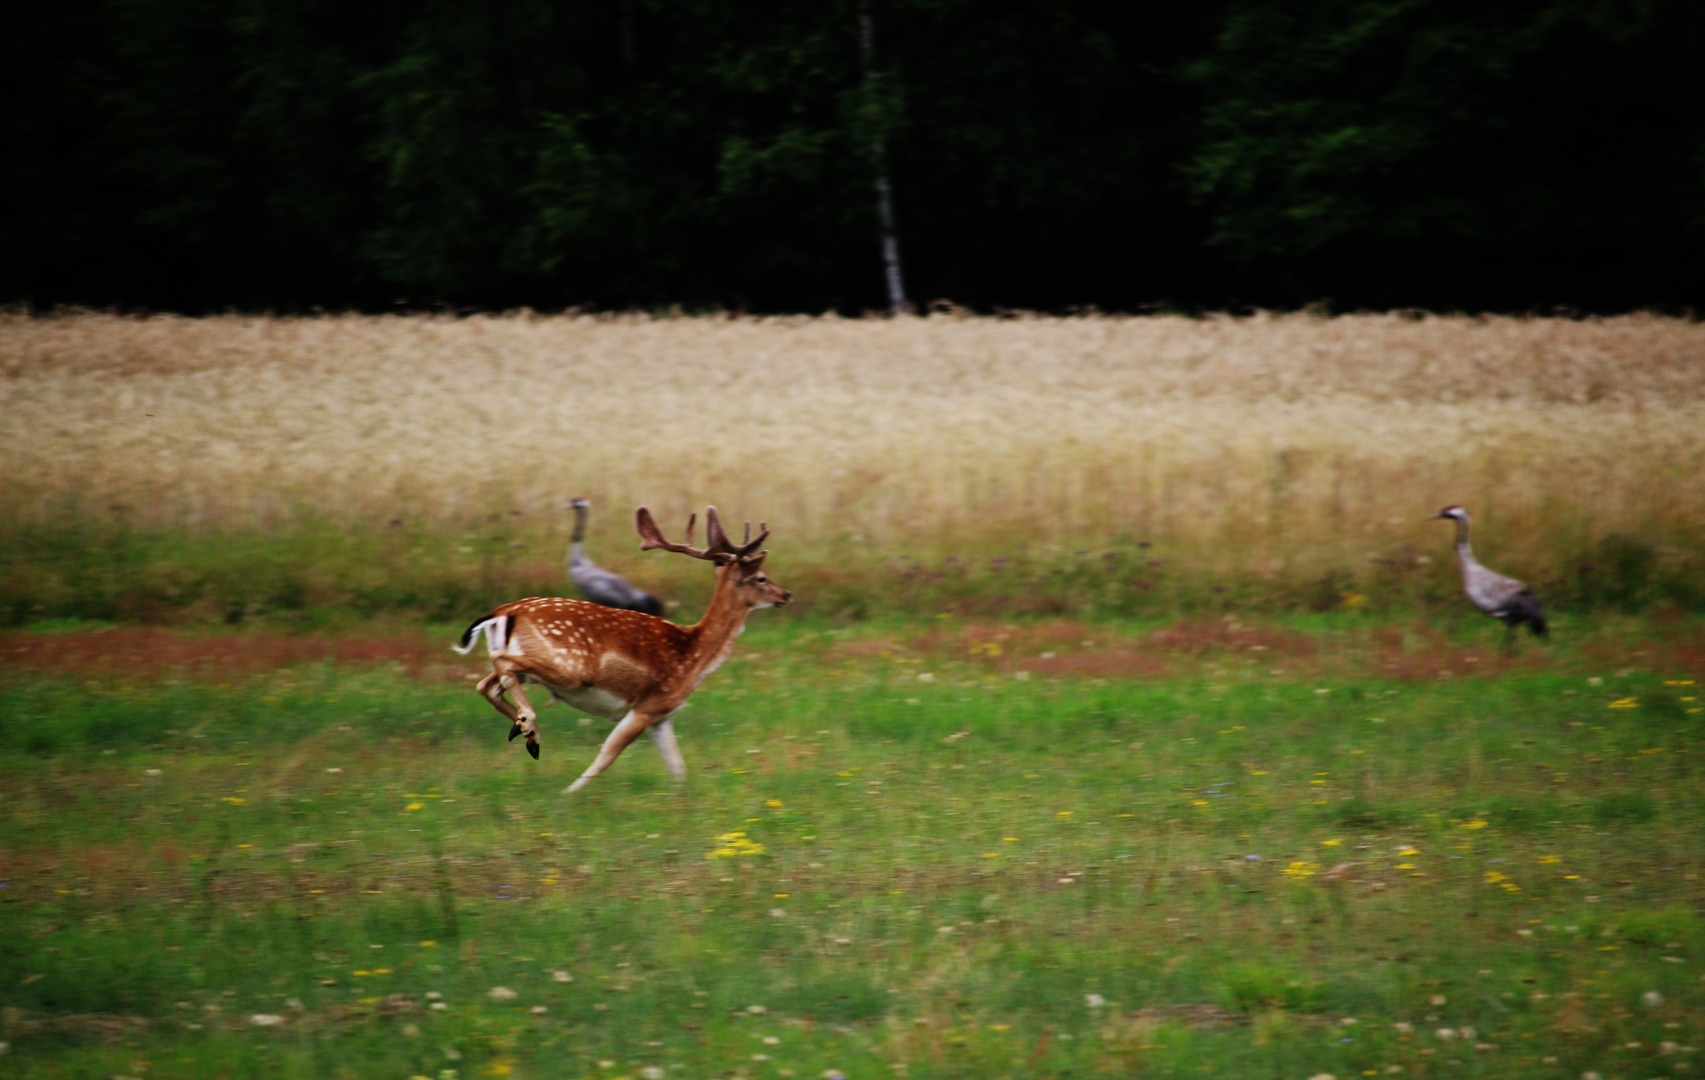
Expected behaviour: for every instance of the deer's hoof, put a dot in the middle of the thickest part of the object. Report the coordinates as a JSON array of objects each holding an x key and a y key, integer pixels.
[
  {"x": 514, "y": 731},
  {"x": 533, "y": 748}
]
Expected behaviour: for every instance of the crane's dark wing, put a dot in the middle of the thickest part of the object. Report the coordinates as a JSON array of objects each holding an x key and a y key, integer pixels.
[
  {"x": 1524, "y": 608},
  {"x": 608, "y": 588}
]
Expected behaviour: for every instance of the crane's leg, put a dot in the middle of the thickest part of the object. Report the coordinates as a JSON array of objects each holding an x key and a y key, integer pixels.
[
  {"x": 663, "y": 734},
  {"x": 625, "y": 732}
]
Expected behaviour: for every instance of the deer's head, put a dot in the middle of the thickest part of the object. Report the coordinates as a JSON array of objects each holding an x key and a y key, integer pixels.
[{"x": 740, "y": 566}]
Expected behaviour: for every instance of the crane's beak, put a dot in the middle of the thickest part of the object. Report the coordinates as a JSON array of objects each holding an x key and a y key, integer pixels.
[{"x": 1435, "y": 517}]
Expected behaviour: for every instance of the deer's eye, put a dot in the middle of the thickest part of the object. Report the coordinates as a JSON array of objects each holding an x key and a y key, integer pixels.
[{"x": 762, "y": 580}]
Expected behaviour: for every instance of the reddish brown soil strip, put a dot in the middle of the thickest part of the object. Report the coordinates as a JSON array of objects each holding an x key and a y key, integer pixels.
[
  {"x": 1062, "y": 648},
  {"x": 151, "y": 653},
  {"x": 1417, "y": 652}
]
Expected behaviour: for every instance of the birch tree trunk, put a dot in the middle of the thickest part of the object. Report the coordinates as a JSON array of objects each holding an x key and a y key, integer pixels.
[{"x": 874, "y": 120}]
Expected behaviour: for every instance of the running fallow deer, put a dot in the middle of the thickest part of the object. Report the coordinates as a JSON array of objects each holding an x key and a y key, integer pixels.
[{"x": 635, "y": 669}]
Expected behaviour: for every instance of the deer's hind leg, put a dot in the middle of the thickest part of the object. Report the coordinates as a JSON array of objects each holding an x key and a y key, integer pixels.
[
  {"x": 663, "y": 734},
  {"x": 491, "y": 688}
]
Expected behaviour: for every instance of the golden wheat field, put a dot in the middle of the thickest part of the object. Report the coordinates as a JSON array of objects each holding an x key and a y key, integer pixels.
[{"x": 1246, "y": 446}]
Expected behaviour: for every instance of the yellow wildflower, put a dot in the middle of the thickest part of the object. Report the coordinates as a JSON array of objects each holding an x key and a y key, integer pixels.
[{"x": 732, "y": 844}]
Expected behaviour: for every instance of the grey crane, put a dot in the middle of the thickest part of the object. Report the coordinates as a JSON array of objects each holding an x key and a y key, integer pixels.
[
  {"x": 597, "y": 584},
  {"x": 1501, "y": 597}
]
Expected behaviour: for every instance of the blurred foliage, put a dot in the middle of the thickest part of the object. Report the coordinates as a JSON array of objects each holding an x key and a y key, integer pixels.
[
  {"x": 1480, "y": 154},
  {"x": 212, "y": 153}
]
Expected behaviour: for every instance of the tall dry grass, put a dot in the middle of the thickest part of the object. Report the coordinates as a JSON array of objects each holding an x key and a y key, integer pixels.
[{"x": 1248, "y": 448}]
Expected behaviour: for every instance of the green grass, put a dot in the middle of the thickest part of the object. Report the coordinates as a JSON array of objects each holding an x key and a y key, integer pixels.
[
  {"x": 84, "y": 567},
  {"x": 975, "y": 874}
]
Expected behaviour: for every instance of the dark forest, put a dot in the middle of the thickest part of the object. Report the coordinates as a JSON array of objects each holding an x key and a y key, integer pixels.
[{"x": 292, "y": 155}]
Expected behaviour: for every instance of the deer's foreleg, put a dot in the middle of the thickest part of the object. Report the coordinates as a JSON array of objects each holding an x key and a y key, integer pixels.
[{"x": 625, "y": 732}]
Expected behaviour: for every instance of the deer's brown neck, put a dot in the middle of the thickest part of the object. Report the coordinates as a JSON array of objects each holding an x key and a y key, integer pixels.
[{"x": 713, "y": 636}]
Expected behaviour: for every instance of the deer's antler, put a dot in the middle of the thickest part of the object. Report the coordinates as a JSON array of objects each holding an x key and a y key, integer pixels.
[
  {"x": 721, "y": 544},
  {"x": 745, "y": 550},
  {"x": 652, "y": 537},
  {"x": 717, "y": 549}
]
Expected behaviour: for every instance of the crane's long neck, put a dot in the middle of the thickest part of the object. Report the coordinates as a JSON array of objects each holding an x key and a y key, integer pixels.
[
  {"x": 1464, "y": 553},
  {"x": 576, "y": 550}
]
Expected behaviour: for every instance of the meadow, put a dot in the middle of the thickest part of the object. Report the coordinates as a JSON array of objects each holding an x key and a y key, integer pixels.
[
  {"x": 1319, "y": 845},
  {"x": 1129, "y": 720},
  {"x": 223, "y": 469}
]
